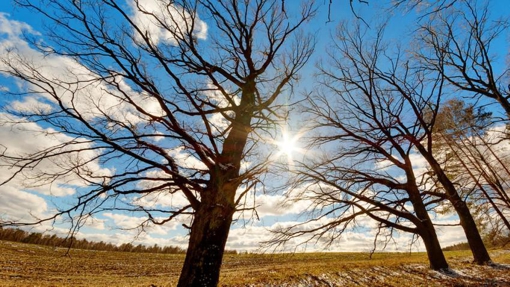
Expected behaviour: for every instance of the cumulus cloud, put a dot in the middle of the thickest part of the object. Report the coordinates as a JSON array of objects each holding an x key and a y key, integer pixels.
[
  {"x": 76, "y": 87},
  {"x": 127, "y": 222},
  {"x": 451, "y": 235},
  {"x": 216, "y": 98},
  {"x": 384, "y": 164},
  {"x": 265, "y": 204},
  {"x": 12, "y": 28},
  {"x": 185, "y": 159},
  {"x": 21, "y": 138},
  {"x": 95, "y": 223},
  {"x": 74, "y": 84},
  {"x": 18, "y": 205},
  {"x": 249, "y": 238},
  {"x": 275, "y": 205},
  {"x": 162, "y": 199},
  {"x": 162, "y": 21}
]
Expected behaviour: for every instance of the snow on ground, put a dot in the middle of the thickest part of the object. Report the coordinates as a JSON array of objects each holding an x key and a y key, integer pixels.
[{"x": 407, "y": 275}]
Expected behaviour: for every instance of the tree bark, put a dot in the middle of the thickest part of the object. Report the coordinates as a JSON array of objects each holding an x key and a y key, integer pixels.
[
  {"x": 434, "y": 252},
  {"x": 211, "y": 224},
  {"x": 480, "y": 254},
  {"x": 209, "y": 233},
  {"x": 426, "y": 228}
]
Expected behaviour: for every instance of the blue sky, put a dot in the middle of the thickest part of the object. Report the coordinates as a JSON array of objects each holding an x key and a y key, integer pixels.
[{"x": 17, "y": 200}]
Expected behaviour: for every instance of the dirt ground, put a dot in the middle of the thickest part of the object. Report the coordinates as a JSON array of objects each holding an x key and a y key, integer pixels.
[{"x": 32, "y": 265}]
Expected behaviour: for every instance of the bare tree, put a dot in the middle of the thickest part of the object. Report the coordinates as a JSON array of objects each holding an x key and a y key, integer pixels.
[
  {"x": 467, "y": 60},
  {"x": 363, "y": 123},
  {"x": 423, "y": 7},
  {"x": 385, "y": 114},
  {"x": 460, "y": 43},
  {"x": 177, "y": 105}
]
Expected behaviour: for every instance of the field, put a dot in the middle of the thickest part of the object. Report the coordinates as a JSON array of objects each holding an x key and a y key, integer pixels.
[{"x": 33, "y": 265}]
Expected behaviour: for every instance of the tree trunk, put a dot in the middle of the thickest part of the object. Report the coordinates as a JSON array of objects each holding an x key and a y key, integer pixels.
[
  {"x": 480, "y": 253},
  {"x": 211, "y": 224},
  {"x": 434, "y": 252},
  {"x": 426, "y": 228},
  {"x": 209, "y": 233}
]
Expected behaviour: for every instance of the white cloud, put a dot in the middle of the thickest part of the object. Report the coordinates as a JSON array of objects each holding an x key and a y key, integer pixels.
[
  {"x": 17, "y": 205},
  {"x": 185, "y": 159},
  {"x": 95, "y": 223},
  {"x": 123, "y": 221},
  {"x": 420, "y": 164},
  {"x": 162, "y": 199},
  {"x": 450, "y": 235},
  {"x": 249, "y": 238},
  {"x": 12, "y": 28},
  {"x": 275, "y": 205},
  {"x": 20, "y": 139},
  {"x": 384, "y": 164},
  {"x": 74, "y": 84},
  {"x": 215, "y": 98},
  {"x": 161, "y": 20},
  {"x": 29, "y": 105},
  {"x": 159, "y": 137}
]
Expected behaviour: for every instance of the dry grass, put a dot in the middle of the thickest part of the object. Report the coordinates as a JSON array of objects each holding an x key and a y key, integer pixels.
[{"x": 32, "y": 265}]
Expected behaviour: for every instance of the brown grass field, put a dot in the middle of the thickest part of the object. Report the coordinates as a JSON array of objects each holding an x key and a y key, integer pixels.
[{"x": 33, "y": 265}]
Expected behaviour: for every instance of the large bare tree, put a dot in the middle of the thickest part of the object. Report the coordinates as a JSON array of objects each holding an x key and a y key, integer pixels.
[
  {"x": 387, "y": 109},
  {"x": 363, "y": 122},
  {"x": 173, "y": 105}
]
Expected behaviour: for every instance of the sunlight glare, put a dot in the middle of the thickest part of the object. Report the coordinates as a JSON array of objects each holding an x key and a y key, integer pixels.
[{"x": 288, "y": 145}]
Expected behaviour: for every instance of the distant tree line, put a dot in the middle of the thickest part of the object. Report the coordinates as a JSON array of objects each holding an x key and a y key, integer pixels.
[
  {"x": 493, "y": 239},
  {"x": 18, "y": 235}
]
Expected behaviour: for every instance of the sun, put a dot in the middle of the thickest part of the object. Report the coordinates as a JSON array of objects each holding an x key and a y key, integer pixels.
[
  {"x": 288, "y": 144},
  {"x": 287, "y": 147}
]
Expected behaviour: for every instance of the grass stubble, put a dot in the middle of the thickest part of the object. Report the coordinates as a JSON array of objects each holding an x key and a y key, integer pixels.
[{"x": 34, "y": 265}]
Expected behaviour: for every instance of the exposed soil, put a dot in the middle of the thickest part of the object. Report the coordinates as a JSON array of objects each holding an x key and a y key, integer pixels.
[{"x": 33, "y": 265}]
